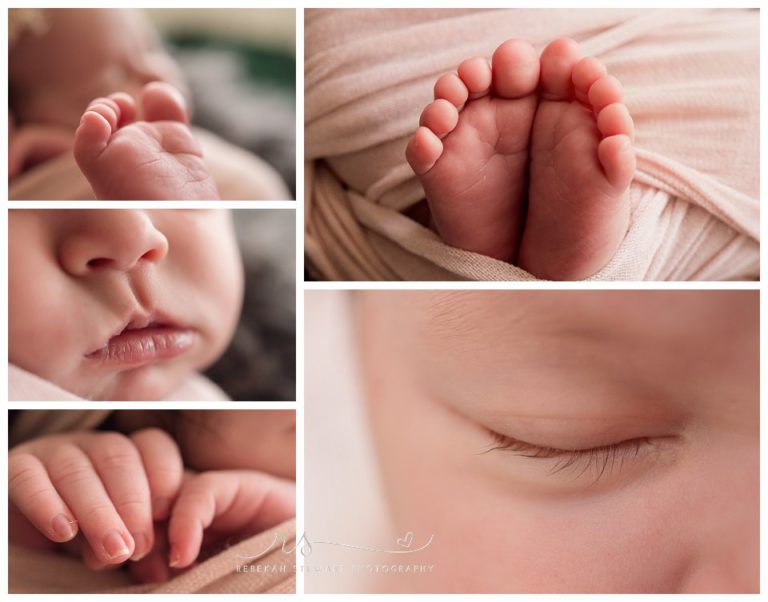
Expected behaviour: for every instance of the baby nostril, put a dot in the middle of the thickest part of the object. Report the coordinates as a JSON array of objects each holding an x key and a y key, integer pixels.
[
  {"x": 153, "y": 255},
  {"x": 99, "y": 262}
]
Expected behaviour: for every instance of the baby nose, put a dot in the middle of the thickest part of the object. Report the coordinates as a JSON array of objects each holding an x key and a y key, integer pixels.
[{"x": 118, "y": 240}]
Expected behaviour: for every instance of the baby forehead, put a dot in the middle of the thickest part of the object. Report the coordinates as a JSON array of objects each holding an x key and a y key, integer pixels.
[{"x": 584, "y": 314}]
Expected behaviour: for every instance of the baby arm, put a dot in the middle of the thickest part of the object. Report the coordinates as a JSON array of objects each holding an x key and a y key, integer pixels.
[
  {"x": 224, "y": 504},
  {"x": 104, "y": 486}
]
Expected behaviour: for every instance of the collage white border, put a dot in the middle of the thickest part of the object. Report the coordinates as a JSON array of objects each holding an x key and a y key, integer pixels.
[{"x": 299, "y": 5}]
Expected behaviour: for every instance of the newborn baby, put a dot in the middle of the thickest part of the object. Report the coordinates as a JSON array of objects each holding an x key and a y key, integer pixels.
[
  {"x": 162, "y": 488},
  {"x": 121, "y": 304},
  {"x": 528, "y": 160},
  {"x": 98, "y": 83}
]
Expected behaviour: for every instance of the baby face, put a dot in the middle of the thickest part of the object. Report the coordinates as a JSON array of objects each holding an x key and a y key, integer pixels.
[
  {"x": 564, "y": 441},
  {"x": 121, "y": 304},
  {"x": 84, "y": 54}
]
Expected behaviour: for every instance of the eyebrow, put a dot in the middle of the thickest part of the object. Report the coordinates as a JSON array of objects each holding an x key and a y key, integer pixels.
[
  {"x": 580, "y": 366},
  {"x": 453, "y": 316}
]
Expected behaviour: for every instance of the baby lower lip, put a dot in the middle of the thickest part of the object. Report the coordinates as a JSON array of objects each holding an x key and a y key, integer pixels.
[{"x": 144, "y": 346}]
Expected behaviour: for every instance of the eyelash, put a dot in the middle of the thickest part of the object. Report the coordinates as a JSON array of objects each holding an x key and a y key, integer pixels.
[{"x": 603, "y": 458}]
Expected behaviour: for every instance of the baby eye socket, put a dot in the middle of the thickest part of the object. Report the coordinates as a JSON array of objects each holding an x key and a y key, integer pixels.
[{"x": 598, "y": 461}]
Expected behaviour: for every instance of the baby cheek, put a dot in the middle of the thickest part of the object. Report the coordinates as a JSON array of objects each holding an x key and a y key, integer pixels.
[
  {"x": 619, "y": 541},
  {"x": 41, "y": 335},
  {"x": 225, "y": 284},
  {"x": 214, "y": 265}
]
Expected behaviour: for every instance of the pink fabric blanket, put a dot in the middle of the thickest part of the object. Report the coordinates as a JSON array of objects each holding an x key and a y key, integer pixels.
[{"x": 25, "y": 386}]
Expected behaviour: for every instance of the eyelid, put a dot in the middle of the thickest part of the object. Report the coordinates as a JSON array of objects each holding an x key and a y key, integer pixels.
[{"x": 604, "y": 458}]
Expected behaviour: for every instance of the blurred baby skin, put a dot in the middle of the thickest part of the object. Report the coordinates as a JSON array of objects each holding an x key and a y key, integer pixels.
[{"x": 80, "y": 55}]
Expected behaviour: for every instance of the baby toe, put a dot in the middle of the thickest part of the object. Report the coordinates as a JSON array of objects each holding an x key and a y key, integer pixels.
[
  {"x": 450, "y": 87},
  {"x": 108, "y": 109},
  {"x": 91, "y": 137},
  {"x": 605, "y": 91},
  {"x": 615, "y": 119},
  {"x": 617, "y": 158},
  {"x": 585, "y": 73},
  {"x": 440, "y": 117},
  {"x": 476, "y": 75},
  {"x": 557, "y": 63},
  {"x": 162, "y": 102},
  {"x": 515, "y": 69},
  {"x": 127, "y": 106},
  {"x": 423, "y": 151}
]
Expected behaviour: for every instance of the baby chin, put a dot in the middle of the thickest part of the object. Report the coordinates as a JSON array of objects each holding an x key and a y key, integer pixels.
[{"x": 153, "y": 382}]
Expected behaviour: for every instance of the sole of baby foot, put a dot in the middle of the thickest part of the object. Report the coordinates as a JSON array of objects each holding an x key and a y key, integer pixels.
[
  {"x": 582, "y": 162},
  {"x": 156, "y": 158},
  {"x": 471, "y": 150}
]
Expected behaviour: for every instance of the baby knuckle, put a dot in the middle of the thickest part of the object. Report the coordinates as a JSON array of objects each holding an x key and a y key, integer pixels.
[
  {"x": 198, "y": 494},
  {"x": 116, "y": 460},
  {"x": 131, "y": 504},
  {"x": 186, "y": 516},
  {"x": 96, "y": 512},
  {"x": 114, "y": 451},
  {"x": 68, "y": 465},
  {"x": 113, "y": 441},
  {"x": 206, "y": 481},
  {"x": 36, "y": 497},
  {"x": 164, "y": 478},
  {"x": 71, "y": 473},
  {"x": 22, "y": 469},
  {"x": 152, "y": 434}
]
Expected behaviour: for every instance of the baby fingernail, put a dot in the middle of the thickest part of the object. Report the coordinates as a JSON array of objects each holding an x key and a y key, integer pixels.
[
  {"x": 64, "y": 527},
  {"x": 174, "y": 559},
  {"x": 114, "y": 546}
]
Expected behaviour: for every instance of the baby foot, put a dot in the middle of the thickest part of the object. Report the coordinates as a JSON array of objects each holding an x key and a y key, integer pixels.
[
  {"x": 539, "y": 179},
  {"x": 582, "y": 162},
  {"x": 471, "y": 151},
  {"x": 156, "y": 158}
]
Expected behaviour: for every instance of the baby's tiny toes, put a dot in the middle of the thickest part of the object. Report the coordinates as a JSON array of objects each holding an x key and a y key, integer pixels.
[
  {"x": 618, "y": 160},
  {"x": 615, "y": 119},
  {"x": 423, "y": 151}
]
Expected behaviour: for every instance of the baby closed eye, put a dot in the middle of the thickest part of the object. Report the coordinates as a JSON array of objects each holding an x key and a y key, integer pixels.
[{"x": 595, "y": 462}]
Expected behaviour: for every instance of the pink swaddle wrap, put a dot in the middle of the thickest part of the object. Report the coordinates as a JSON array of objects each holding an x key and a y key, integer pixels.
[{"x": 25, "y": 386}]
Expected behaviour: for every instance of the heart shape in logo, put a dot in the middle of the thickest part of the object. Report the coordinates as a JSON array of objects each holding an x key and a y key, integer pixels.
[{"x": 406, "y": 541}]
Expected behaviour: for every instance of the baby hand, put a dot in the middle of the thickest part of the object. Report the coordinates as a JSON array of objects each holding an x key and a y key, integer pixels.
[
  {"x": 105, "y": 485},
  {"x": 33, "y": 144},
  {"x": 226, "y": 504}
]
